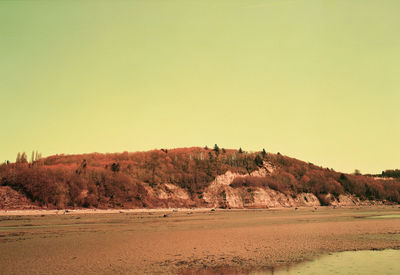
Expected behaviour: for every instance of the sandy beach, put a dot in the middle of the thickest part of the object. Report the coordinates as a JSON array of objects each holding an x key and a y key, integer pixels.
[{"x": 187, "y": 241}]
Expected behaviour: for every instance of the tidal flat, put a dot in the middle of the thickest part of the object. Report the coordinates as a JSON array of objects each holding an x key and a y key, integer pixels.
[{"x": 185, "y": 241}]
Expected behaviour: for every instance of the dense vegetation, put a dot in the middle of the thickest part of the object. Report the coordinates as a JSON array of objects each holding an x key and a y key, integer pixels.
[
  {"x": 391, "y": 173},
  {"x": 125, "y": 179},
  {"x": 294, "y": 177}
]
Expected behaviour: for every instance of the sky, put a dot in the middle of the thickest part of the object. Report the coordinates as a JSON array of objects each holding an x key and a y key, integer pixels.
[{"x": 317, "y": 80}]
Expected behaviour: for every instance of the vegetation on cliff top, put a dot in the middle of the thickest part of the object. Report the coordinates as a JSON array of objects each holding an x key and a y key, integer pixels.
[{"x": 124, "y": 179}]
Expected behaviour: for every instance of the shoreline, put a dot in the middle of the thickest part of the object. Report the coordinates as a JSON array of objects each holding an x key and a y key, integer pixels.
[{"x": 33, "y": 212}]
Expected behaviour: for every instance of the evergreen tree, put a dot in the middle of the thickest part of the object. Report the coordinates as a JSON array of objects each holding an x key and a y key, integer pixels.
[
  {"x": 115, "y": 167},
  {"x": 216, "y": 149},
  {"x": 264, "y": 153}
]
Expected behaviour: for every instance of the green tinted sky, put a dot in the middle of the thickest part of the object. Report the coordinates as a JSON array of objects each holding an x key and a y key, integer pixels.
[{"x": 317, "y": 80}]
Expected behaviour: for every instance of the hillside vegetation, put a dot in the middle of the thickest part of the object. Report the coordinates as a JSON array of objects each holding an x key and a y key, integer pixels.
[{"x": 178, "y": 178}]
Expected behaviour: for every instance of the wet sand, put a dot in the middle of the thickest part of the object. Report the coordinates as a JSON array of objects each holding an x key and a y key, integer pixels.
[{"x": 187, "y": 241}]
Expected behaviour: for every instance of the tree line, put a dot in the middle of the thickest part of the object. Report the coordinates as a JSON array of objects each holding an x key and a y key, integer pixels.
[{"x": 126, "y": 179}]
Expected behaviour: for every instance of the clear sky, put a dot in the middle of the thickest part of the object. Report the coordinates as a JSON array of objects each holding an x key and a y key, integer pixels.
[{"x": 313, "y": 79}]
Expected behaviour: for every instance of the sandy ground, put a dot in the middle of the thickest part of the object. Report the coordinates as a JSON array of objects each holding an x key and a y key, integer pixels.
[
  {"x": 186, "y": 241},
  {"x": 34, "y": 212}
]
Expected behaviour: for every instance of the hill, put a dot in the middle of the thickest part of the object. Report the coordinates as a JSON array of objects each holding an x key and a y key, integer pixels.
[{"x": 189, "y": 177}]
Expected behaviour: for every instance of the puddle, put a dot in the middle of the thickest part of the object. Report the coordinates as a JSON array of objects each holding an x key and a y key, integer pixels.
[{"x": 349, "y": 262}]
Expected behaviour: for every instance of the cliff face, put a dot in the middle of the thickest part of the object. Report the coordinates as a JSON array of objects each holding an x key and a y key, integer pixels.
[{"x": 221, "y": 194}]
